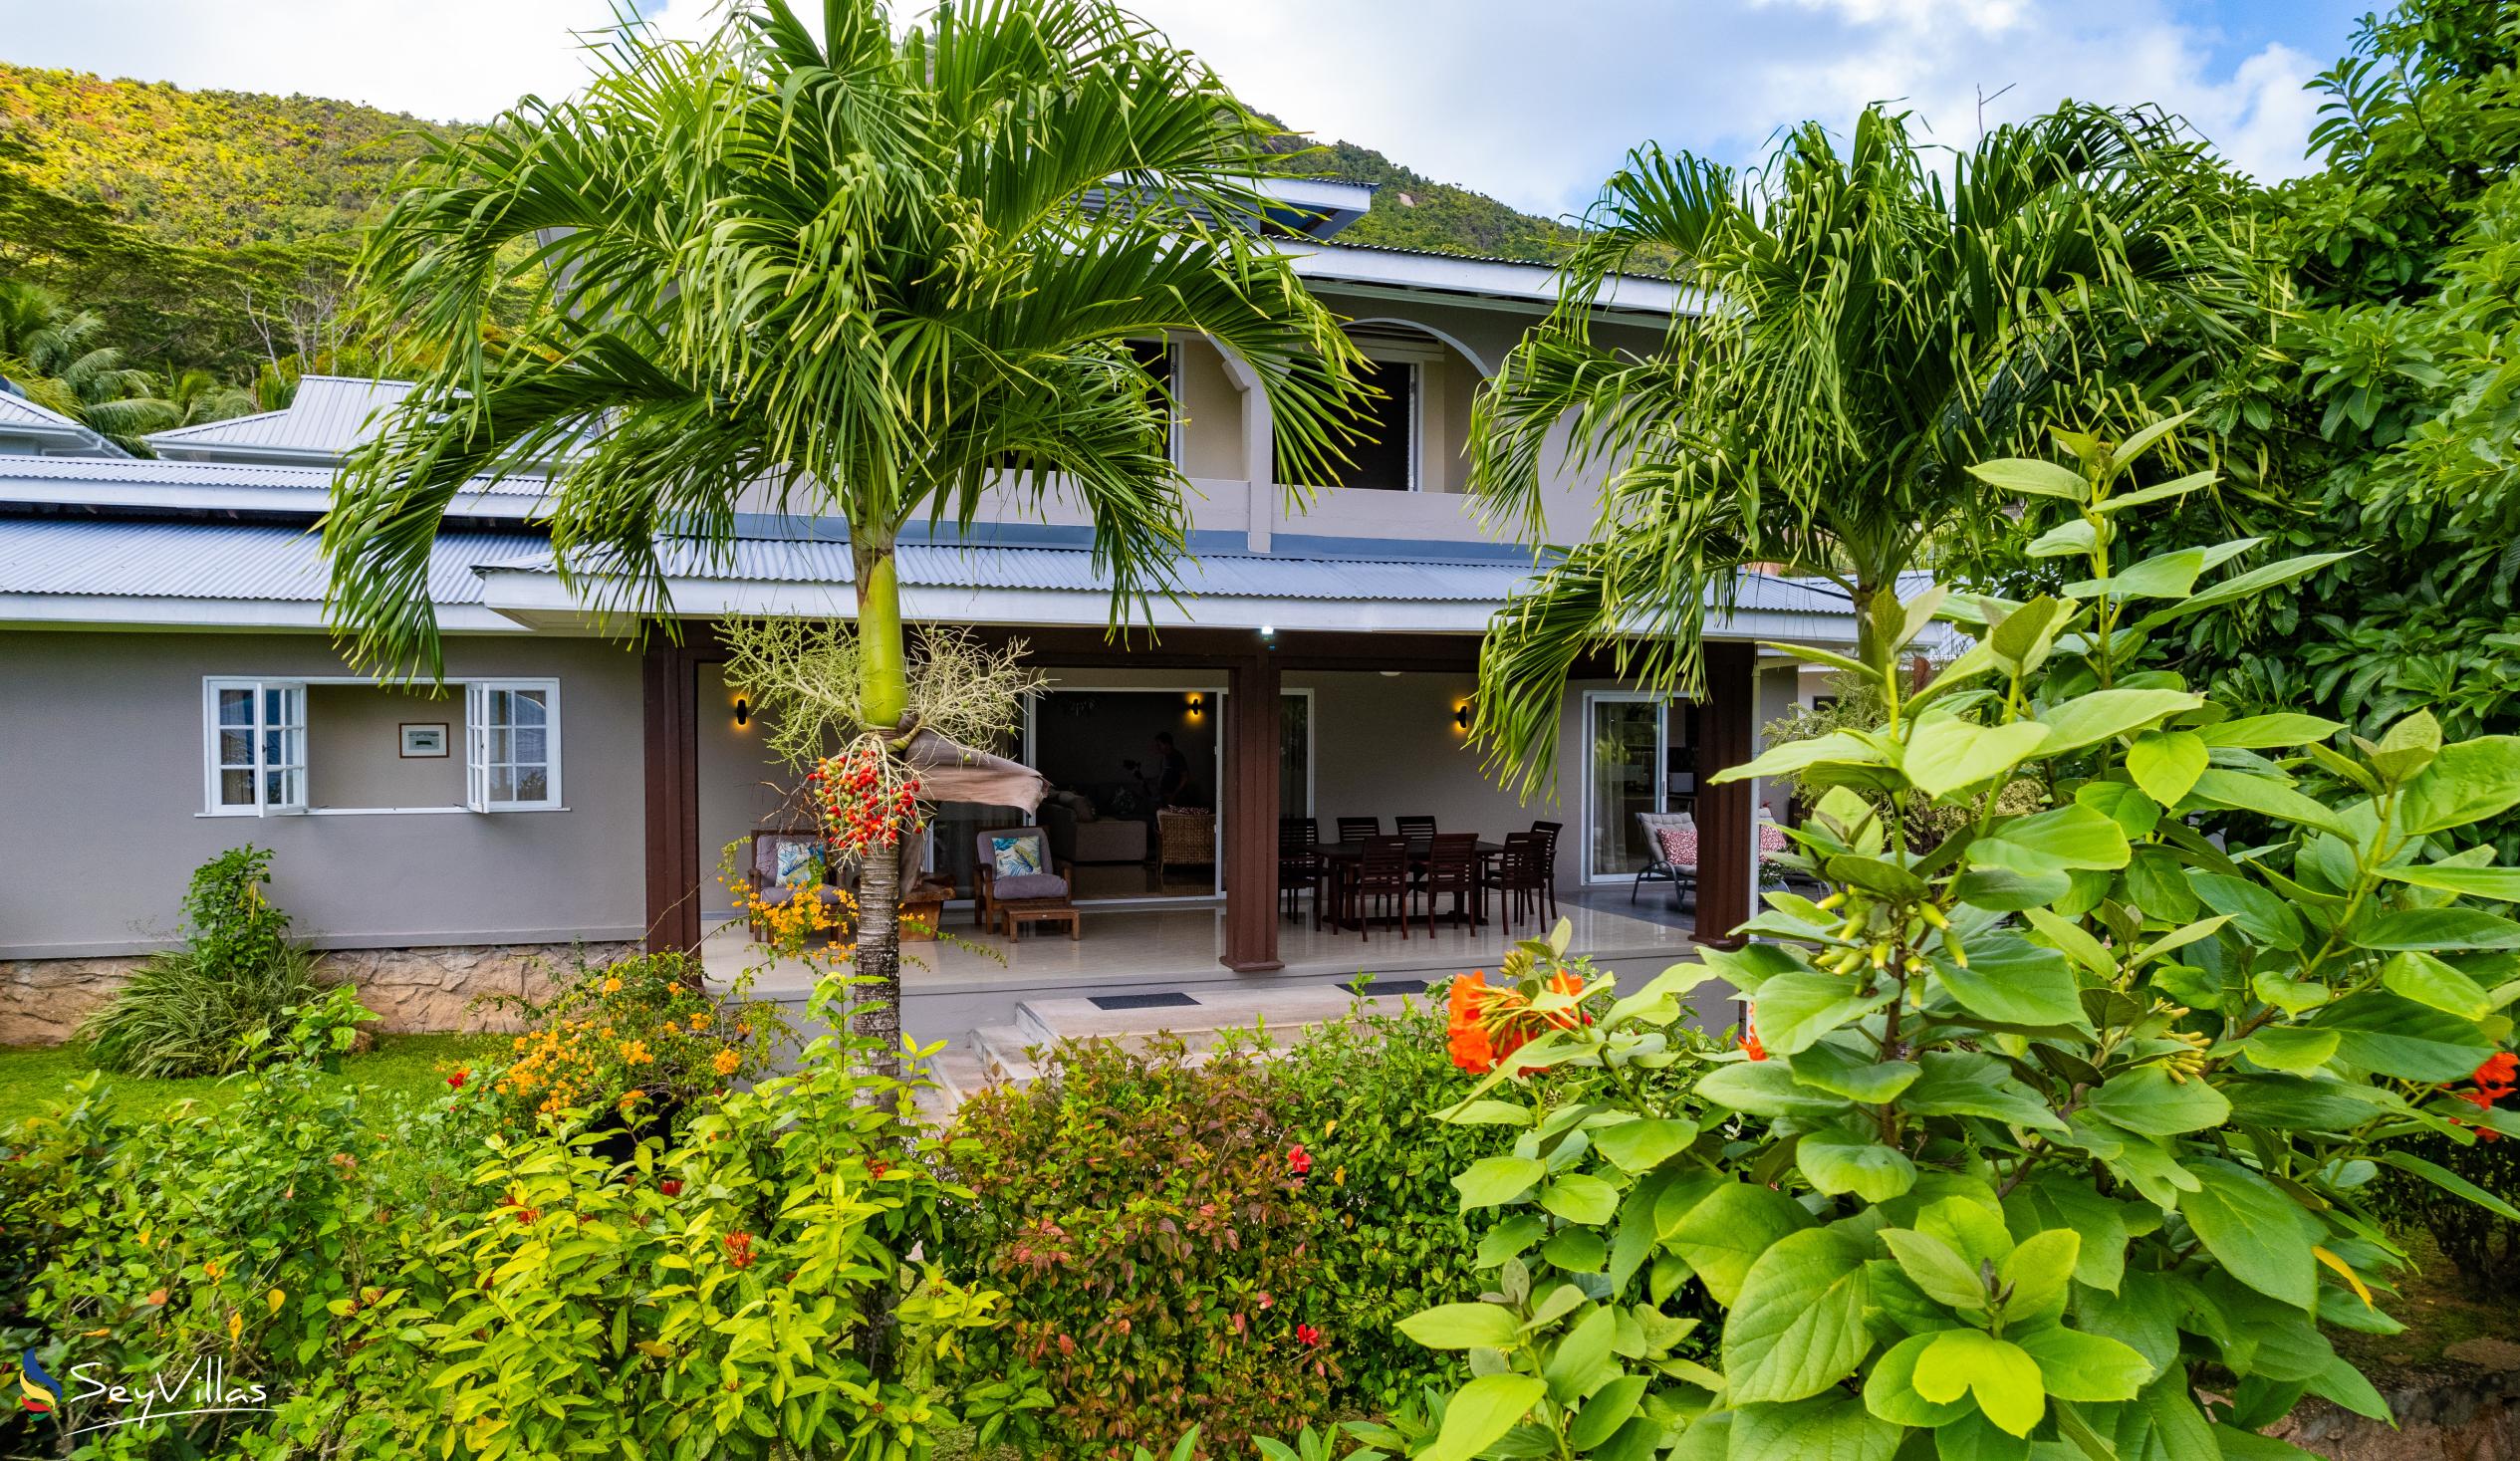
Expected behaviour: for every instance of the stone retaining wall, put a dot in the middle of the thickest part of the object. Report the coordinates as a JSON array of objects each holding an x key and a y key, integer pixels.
[{"x": 43, "y": 1000}]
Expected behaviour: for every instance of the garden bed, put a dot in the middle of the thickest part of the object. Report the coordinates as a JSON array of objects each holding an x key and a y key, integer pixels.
[{"x": 416, "y": 1065}]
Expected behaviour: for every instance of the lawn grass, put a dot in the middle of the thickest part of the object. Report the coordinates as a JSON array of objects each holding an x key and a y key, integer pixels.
[{"x": 403, "y": 1064}]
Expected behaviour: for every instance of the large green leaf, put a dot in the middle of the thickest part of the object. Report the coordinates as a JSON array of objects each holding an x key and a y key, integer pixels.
[
  {"x": 1855, "y": 1075},
  {"x": 2053, "y": 1202},
  {"x": 2146, "y": 1100},
  {"x": 1580, "y": 1197},
  {"x": 2088, "y": 719},
  {"x": 2164, "y": 575},
  {"x": 2256, "y": 910},
  {"x": 1764, "y": 1089},
  {"x": 2502, "y": 885},
  {"x": 1795, "y": 1009},
  {"x": 1480, "y": 1413},
  {"x": 1825, "y": 1428},
  {"x": 2166, "y": 763},
  {"x": 2428, "y": 981},
  {"x": 2250, "y": 791},
  {"x": 2268, "y": 732},
  {"x": 1464, "y": 1326},
  {"x": 2012, "y": 981},
  {"x": 2436, "y": 928},
  {"x": 2259, "y": 1235},
  {"x": 1495, "y": 1180},
  {"x": 2036, "y": 1275},
  {"x": 2452, "y": 1183},
  {"x": 2143, "y": 1315},
  {"x": 1889, "y": 1391},
  {"x": 2468, "y": 782},
  {"x": 1970, "y": 1084},
  {"x": 1836, "y": 746},
  {"x": 1644, "y": 1145},
  {"x": 1946, "y": 753},
  {"x": 2004, "y": 1378},
  {"x": 2390, "y": 1035},
  {"x": 2240, "y": 586},
  {"x": 2059, "y": 839},
  {"x": 2031, "y": 475},
  {"x": 1797, "y": 1326},
  {"x": 1836, "y": 1163},
  {"x": 1727, "y": 1231},
  {"x": 2087, "y": 1367},
  {"x": 1936, "y": 1269}
]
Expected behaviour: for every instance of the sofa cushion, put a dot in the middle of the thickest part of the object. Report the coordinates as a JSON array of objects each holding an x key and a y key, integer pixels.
[
  {"x": 1679, "y": 846},
  {"x": 1030, "y": 885},
  {"x": 1018, "y": 855}
]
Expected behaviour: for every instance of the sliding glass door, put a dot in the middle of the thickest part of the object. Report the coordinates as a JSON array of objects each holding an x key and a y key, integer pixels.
[{"x": 1623, "y": 776}]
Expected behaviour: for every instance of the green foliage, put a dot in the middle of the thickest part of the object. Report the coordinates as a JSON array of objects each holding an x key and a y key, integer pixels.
[
  {"x": 1359, "y": 1094},
  {"x": 1883, "y": 324},
  {"x": 409, "y": 1280},
  {"x": 1159, "y": 1236},
  {"x": 2059, "y": 1129},
  {"x": 207, "y": 1008},
  {"x": 1414, "y": 211}
]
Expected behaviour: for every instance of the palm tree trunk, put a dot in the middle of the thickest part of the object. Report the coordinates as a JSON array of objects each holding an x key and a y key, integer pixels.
[{"x": 883, "y": 697}]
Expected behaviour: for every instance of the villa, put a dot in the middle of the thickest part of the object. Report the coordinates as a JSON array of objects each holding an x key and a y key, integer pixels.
[{"x": 167, "y": 690}]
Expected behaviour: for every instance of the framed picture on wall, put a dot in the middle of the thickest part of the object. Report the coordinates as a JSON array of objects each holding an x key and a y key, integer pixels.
[{"x": 424, "y": 738}]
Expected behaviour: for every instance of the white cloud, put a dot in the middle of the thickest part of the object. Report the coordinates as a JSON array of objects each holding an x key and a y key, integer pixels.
[{"x": 1534, "y": 105}]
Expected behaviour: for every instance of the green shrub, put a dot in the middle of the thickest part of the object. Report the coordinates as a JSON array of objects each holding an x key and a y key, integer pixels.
[
  {"x": 1157, "y": 1243},
  {"x": 2054, "y": 1135},
  {"x": 201, "y": 1010},
  {"x": 409, "y": 1280},
  {"x": 1361, "y": 1093}
]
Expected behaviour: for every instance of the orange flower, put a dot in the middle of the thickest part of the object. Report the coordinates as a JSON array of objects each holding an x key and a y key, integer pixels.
[
  {"x": 1471, "y": 1049},
  {"x": 1750, "y": 1036}
]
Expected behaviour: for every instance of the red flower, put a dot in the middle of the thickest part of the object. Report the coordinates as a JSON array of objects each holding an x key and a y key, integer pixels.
[
  {"x": 1298, "y": 1160},
  {"x": 1750, "y": 1036},
  {"x": 1308, "y": 1336},
  {"x": 739, "y": 1249},
  {"x": 671, "y": 1186},
  {"x": 458, "y": 1079},
  {"x": 1266, "y": 1302}
]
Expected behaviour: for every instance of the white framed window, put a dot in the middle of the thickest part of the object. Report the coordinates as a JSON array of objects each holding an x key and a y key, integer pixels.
[
  {"x": 256, "y": 746},
  {"x": 511, "y": 745}
]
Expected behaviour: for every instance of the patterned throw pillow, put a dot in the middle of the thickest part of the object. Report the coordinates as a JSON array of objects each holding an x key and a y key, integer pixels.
[
  {"x": 1772, "y": 838},
  {"x": 1016, "y": 857},
  {"x": 1679, "y": 846},
  {"x": 799, "y": 865}
]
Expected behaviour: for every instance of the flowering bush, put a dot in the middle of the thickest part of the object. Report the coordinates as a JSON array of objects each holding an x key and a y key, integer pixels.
[
  {"x": 2480, "y": 1237},
  {"x": 1153, "y": 1222},
  {"x": 2054, "y": 1135},
  {"x": 640, "y": 1035}
]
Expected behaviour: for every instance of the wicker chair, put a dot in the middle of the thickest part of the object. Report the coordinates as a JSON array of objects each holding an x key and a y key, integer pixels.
[{"x": 1186, "y": 835}]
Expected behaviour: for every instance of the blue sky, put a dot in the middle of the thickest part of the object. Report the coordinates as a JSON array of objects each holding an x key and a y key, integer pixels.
[{"x": 1532, "y": 102}]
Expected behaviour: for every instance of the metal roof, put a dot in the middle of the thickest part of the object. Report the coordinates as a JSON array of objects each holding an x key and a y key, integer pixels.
[
  {"x": 1213, "y": 575},
  {"x": 222, "y": 486},
  {"x": 223, "y": 560},
  {"x": 329, "y": 416},
  {"x": 21, "y": 417}
]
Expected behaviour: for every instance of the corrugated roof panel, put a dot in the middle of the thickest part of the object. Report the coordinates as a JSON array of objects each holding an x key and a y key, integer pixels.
[
  {"x": 17, "y": 410},
  {"x": 329, "y": 413},
  {"x": 212, "y": 561},
  {"x": 198, "y": 475},
  {"x": 1216, "y": 576}
]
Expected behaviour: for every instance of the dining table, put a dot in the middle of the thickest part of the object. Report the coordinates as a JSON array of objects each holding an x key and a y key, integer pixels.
[{"x": 1345, "y": 856}]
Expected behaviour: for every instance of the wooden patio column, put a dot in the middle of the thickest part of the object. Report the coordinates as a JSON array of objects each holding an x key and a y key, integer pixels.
[
  {"x": 670, "y": 692},
  {"x": 1727, "y": 868},
  {"x": 1251, "y": 815}
]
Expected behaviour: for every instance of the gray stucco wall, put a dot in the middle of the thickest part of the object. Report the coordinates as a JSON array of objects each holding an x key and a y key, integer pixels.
[
  {"x": 101, "y": 803},
  {"x": 360, "y": 728}
]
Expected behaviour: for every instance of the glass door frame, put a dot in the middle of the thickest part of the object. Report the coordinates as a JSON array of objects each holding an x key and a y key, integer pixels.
[{"x": 1661, "y": 797}]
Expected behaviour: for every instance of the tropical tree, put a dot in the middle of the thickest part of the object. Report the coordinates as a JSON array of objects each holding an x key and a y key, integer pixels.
[
  {"x": 58, "y": 358},
  {"x": 1871, "y": 321},
  {"x": 865, "y": 275}
]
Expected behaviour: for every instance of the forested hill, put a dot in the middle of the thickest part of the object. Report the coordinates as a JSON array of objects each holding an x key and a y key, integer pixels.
[
  {"x": 205, "y": 169},
  {"x": 1414, "y": 211}
]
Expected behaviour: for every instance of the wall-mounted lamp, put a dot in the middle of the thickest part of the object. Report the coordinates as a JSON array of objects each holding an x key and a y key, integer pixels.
[
  {"x": 1268, "y": 632},
  {"x": 743, "y": 712},
  {"x": 1196, "y": 704},
  {"x": 1461, "y": 717}
]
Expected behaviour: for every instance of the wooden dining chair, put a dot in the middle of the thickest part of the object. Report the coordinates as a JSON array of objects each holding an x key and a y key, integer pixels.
[
  {"x": 1299, "y": 867},
  {"x": 1548, "y": 832},
  {"x": 1419, "y": 830},
  {"x": 1452, "y": 867},
  {"x": 1520, "y": 875},
  {"x": 1382, "y": 877},
  {"x": 1357, "y": 829}
]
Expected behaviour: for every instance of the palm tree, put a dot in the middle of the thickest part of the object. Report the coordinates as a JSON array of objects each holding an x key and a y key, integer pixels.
[
  {"x": 861, "y": 276},
  {"x": 1870, "y": 326},
  {"x": 57, "y": 357}
]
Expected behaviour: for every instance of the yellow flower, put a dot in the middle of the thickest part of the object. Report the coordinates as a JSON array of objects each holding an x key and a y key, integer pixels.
[
  {"x": 634, "y": 1052},
  {"x": 613, "y": 985},
  {"x": 725, "y": 1061}
]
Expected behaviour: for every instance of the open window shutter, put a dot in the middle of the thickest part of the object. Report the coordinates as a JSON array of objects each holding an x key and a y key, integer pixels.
[
  {"x": 477, "y": 747},
  {"x": 280, "y": 747}
]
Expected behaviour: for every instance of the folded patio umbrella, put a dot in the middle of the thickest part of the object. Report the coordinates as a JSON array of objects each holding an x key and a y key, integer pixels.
[{"x": 949, "y": 772}]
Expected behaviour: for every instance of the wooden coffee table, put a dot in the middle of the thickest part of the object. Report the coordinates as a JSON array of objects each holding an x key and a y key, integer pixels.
[{"x": 1042, "y": 910}]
